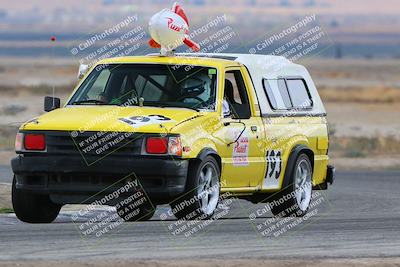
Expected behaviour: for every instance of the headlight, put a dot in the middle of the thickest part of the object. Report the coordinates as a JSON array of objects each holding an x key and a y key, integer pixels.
[
  {"x": 30, "y": 142},
  {"x": 35, "y": 142},
  {"x": 164, "y": 145}
]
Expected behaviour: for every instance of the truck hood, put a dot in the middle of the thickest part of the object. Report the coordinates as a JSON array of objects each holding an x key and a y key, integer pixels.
[{"x": 112, "y": 118}]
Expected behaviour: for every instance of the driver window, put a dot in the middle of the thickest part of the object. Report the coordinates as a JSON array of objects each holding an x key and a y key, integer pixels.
[{"x": 235, "y": 94}]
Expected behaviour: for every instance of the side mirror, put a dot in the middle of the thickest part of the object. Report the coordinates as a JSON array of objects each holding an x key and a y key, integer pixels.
[
  {"x": 82, "y": 71},
  {"x": 51, "y": 103}
]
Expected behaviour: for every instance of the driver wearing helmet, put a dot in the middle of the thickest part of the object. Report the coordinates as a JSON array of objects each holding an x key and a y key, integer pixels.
[{"x": 197, "y": 90}]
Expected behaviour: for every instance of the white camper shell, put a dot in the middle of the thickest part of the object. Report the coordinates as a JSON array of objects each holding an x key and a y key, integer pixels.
[{"x": 267, "y": 73}]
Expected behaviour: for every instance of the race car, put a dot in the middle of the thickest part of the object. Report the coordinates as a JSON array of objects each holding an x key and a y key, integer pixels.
[{"x": 182, "y": 130}]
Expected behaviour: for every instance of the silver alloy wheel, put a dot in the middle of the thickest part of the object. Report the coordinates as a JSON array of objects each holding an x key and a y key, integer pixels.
[
  {"x": 303, "y": 184},
  {"x": 208, "y": 189}
]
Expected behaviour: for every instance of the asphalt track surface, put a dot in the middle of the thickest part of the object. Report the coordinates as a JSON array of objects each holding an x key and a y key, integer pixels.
[{"x": 359, "y": 216}]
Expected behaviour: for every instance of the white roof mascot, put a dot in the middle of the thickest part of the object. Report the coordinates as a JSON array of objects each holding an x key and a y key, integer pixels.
[{"x": 170, "y": 29}]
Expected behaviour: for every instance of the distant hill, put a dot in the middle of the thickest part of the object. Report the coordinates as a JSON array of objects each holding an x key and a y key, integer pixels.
[
  {"x": 357, "y": 25},
  {"x": 81, "y": 15}
]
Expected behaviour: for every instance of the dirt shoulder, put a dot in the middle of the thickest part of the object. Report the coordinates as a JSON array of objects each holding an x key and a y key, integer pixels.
[
  {"x": 5, "y": 196},
  {"x": 374, "y": 163},
  {"x": 364, "y": 119}
]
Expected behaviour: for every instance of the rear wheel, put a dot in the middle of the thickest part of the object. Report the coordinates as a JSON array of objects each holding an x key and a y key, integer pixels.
[
  {"x": 203, "y": 190},
  {"x": 33, "y": 208},
  {"x": 296, "y": 198}
]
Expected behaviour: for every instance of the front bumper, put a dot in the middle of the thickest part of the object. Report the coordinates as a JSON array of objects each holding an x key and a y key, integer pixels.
[{"x": 70, "y": 180}]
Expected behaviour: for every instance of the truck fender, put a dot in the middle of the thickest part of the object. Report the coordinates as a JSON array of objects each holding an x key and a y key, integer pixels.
[
  {"x": 292, "y": 161},
  {"x": 206, "y": 152}
]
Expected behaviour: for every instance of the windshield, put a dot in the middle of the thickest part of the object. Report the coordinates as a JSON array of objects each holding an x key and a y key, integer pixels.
[{"x": 149, "y": 85}]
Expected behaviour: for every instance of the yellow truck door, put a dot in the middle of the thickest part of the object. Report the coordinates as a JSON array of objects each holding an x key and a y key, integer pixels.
[{"x": 243, "y": 160}]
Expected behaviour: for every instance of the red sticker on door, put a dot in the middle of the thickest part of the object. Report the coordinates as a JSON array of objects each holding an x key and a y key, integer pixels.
[{"x": 241, "y": 151}]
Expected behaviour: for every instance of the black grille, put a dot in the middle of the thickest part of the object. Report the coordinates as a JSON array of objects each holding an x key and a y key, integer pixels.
[{"x": 94, "y": 143}]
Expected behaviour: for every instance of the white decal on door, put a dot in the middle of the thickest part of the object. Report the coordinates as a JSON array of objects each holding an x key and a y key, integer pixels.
[
  {"x": 274, "y": 162},
  {"x": 274, "y": 169}
]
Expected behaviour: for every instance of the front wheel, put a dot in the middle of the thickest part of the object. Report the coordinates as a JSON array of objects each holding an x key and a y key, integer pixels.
[
  {"x": 33, "y": 208},
  {"x": 203, "y": 191},
  {"x": 295, "y": 199}
]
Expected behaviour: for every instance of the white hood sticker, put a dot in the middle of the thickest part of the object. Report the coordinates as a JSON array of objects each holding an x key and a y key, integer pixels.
[{"x": 139, "y": 121}]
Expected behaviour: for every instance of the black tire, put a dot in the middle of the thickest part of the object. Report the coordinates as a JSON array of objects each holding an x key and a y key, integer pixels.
[
  {"x": 189, "y": 206},
  {"x": 142, "y": 213},
  {"x": 32, "y": 208},
  {"x": 285, "y": 203}
]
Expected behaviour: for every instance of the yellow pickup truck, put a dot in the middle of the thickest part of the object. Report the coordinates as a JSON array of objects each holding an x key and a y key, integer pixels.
[{"x": 187, "y": 127}]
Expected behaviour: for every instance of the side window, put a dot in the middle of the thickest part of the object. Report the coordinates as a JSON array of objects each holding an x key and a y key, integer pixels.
[
  {"x": 299, "y": 93},
  {"x": 236, "y": 94},
  {"x": 285, "y": 94},
  {"x": 277, "y": 94},
  {"x": 270, "y": 94}
]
